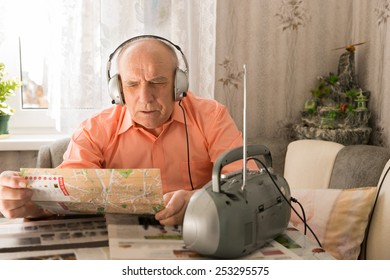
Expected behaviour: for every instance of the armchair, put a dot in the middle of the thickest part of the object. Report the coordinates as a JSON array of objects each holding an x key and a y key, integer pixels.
[{"x": 313, "y": 165}]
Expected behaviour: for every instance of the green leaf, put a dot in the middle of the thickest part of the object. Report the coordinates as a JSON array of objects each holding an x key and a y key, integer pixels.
[{"x": 7, "y": 89}]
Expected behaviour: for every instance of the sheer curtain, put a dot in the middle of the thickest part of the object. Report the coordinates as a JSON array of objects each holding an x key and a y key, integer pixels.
[
  {"x": 73, "y": 62},
  {"x": 84, "y": 33}
]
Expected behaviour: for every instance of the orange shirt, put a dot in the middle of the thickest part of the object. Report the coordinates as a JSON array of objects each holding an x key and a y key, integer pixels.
[{"x": 111, "y": 139}]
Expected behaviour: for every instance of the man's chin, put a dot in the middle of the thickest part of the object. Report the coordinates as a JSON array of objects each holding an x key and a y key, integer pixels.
[{"x": 149, "y": 125}]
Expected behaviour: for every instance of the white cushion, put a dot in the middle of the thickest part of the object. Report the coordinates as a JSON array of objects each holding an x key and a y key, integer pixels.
[
  {"x": 338, "y": 217},
  {"x": 309, "y": 163}
]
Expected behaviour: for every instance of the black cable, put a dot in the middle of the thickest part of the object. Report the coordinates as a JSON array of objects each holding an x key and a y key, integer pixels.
[
  {"x": 293, "y": 199},
  {"x": 188, "y": 146},
  {"x": 285, "y": 198},
  {"x": 372, "y": 214}
]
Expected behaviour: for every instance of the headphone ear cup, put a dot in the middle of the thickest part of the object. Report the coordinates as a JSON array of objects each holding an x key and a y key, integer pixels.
[
  {"x": 115, "y": 90},
  {"x": 181, "y": 84}
]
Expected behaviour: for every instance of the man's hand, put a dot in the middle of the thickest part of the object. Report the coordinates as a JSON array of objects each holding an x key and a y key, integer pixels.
[
  {"x": 15, "y": 198},
  {"x": 175, "y": 207}
]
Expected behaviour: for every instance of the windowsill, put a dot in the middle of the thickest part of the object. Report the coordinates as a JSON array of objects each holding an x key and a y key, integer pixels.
[{"x": 27, "y": 142}]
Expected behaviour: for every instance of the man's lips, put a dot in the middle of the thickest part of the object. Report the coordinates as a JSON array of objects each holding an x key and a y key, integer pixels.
[{"x": 148, "y": 112}]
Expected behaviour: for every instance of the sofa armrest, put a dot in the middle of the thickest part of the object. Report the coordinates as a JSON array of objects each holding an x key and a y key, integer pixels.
[{"x": 309, "y": 163}]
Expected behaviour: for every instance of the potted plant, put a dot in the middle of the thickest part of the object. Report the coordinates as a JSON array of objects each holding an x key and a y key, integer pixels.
[{"x": 7, "y": 89}]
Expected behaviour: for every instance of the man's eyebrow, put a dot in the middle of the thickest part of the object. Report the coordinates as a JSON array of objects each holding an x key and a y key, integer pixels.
[{"x": 159, "y": 79}]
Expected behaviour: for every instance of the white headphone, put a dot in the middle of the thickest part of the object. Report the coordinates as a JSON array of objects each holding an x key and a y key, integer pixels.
[{"x": 115, "y": 83}]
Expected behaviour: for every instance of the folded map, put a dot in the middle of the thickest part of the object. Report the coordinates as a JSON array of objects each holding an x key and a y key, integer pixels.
[{"x": 96, "y": 191}]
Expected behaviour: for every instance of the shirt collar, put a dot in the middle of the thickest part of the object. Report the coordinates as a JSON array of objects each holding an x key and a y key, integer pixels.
[{"x": 127, "y": 122}]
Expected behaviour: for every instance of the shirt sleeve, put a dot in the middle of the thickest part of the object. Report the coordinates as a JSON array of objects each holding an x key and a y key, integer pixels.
[
  {"x": 83, "y": 150},
  {"x": 223, "y": 135}
]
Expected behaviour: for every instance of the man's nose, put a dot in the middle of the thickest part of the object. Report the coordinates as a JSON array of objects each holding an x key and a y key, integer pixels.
[{"x": 145, "y": 94}]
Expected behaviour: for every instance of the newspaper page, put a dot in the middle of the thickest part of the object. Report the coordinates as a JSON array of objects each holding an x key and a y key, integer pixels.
[
  {"x": 302, "y": 245},
  {"x": 66, "y": 238},
  {"x": 99, "y": 253},
  {"x": 96, "y": 191},
  {"x": 141, "y": 237}
]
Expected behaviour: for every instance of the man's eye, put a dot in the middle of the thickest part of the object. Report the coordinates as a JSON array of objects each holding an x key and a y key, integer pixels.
[
  {"x": 131, "y": 85},
  {"x": 158, "y": 82}
]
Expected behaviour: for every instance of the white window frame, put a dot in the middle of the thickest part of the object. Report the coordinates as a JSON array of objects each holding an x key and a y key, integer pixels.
[{"x": 23, "y": 121}]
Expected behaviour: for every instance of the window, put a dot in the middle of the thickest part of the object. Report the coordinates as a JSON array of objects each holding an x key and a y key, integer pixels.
[
  {"x": 33, "y": 91},
  {"x": 22, "y": 45}
]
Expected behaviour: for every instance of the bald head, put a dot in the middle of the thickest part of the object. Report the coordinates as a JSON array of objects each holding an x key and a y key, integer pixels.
[{"x": 150, "y": 44}]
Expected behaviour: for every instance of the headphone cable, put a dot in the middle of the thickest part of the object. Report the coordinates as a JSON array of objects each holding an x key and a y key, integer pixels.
[{"x": 188, "y": 145}]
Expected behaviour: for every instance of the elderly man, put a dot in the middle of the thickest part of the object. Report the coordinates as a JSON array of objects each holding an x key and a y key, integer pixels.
[{"x": 149, "y": 129}]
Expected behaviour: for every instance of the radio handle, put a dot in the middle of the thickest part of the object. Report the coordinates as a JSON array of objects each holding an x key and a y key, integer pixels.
[{"x": 234, "y": 155}]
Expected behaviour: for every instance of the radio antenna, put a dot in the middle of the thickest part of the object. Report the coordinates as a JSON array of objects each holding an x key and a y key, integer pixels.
[{"x": 244, "y": 136}]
